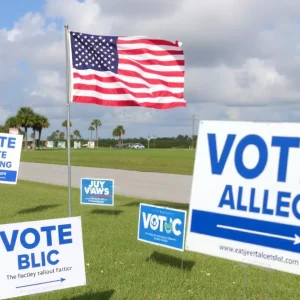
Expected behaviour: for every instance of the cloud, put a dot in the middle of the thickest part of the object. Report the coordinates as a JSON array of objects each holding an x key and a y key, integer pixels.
[
  {"x": 242, "y": 60},
  {"x": 51, "y": 85},
  {"x": 85, "y": 16},
  {"x": 140, "y": 10}
]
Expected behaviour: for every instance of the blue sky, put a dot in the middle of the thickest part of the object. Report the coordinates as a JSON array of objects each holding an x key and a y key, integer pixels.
[
  {"x": 236, "y": 67},
  {"x": 13, "y": 10}
]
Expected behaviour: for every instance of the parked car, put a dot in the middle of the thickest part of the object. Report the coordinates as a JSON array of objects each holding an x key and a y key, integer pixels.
[{"x": 137, "y": 146}]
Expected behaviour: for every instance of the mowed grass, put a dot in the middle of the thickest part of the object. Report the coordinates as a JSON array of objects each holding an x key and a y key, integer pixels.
[
  {"x": 117, "y": 265},
  {"x": 175, "y": 161}
]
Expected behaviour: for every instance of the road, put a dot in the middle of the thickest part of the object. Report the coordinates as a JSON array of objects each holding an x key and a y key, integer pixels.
[{"x": 147, "y": 185}]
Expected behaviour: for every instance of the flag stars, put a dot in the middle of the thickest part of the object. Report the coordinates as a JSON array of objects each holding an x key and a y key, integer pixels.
[{"x": 94, "y": 52}]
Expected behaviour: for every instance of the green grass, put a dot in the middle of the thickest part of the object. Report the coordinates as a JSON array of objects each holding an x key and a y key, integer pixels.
[
  {"x": 118, "y": 263},
  {"x": 176, "y": 161}
]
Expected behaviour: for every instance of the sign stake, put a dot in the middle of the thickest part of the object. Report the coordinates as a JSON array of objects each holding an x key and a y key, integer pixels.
[
  {"x": 245, "y": 282},
  {"x": 269, "y": 283}
]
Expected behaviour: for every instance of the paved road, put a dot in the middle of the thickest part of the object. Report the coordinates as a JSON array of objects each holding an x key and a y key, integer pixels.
[{"x": 147, "y": 185}]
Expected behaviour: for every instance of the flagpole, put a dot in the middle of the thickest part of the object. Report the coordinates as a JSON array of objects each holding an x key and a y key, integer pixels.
[{"x": 68, "y": 119}]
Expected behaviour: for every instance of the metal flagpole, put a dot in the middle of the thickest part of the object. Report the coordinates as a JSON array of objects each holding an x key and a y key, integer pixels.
[
  {"x": 68, "y": 119},
  {"x": 193, "y": 132}
]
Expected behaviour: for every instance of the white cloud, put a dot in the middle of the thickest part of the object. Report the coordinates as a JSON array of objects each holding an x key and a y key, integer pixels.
[
  {"x": 257, "y": 82},
  {"x": 51, "y": 85},
  {"x": 83, "y": 16}
]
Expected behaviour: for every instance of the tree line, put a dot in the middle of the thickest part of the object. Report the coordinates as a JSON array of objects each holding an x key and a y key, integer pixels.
[
  {"x": 180, "y": 141},
  {"x": 27, "y": 118},
  {"x": 57, "y": 135},
  {"x": 162, "y": 142}
]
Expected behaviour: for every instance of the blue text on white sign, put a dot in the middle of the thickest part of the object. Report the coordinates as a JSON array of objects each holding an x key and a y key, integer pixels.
[
  {"x": 10, "y": 151},
  {"x": 245, "y": 190},
  {"x": 60, "y": 235},
  {"x": 283, "y": 144},
  {"x": 41, "y": 256}
]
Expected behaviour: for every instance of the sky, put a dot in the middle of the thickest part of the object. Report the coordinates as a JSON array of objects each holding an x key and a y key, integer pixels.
[{"x": 242, "y": 60}]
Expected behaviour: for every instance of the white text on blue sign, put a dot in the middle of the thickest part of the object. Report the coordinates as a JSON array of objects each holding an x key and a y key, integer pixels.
[{"x": 96, "y": 187}]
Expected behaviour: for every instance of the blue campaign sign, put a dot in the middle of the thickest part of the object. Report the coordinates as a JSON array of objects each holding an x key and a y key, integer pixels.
[
  {"x": 245, "y": 200},
  {"x": 10, "y": 152},
  {"x": 162, "y": 226},
  {"x": 97, "y": 191}
]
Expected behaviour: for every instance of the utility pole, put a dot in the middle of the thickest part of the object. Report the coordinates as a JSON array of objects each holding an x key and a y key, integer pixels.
[{"x": 193, "y": 132}]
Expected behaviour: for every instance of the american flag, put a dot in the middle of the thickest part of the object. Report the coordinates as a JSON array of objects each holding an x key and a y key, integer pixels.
[{"x": 126, "y": 71}]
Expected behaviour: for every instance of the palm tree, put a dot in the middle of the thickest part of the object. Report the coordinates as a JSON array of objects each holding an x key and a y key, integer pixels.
[
  {"x": 61, "y": 135},
  {"x": 118, "y": 132},
  {"x": 25, "y": 116},
  {"x": 12, "y": 122},
  {"x": 54, "y": 135},
  {"x": 65, "y": 124},
  {"x": 77, "y": 134},
  {"x": 91, "y": 128},
  {"x": 41, "y": 122},
  {"x": 3, "y": 129},
  {"x": 34, "y": 129},
  {"x": 96, "y": 123}
]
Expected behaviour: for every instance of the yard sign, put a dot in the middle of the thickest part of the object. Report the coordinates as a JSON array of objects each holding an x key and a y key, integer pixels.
[
  {"x": 245, "y": 201},
  {"x": 41, "y": 256}
]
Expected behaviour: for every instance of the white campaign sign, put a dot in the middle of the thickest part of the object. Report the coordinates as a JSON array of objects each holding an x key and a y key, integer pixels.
[
  {"x": 245, "y": 200},
  {"x": 41, "y": 256},
  {"x": 10, "y": 152}
]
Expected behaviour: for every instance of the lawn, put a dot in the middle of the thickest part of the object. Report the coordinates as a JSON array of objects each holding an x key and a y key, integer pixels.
[
  {"x": 117, "y": 264},
  {"x": 175, "y": 161}
]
